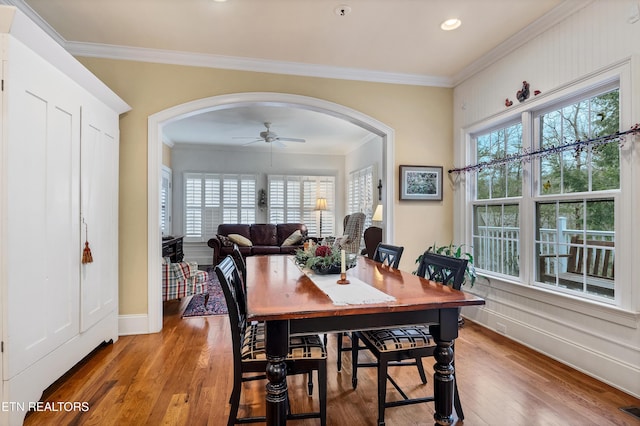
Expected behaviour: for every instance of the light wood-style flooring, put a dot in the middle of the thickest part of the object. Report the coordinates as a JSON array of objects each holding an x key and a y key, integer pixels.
[{"x": 182, "y": 376}]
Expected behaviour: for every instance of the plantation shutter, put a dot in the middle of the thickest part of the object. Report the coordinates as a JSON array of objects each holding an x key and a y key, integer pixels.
[
  {"x": 211, "y": 199},
  {"x": 292, "y": 199}
]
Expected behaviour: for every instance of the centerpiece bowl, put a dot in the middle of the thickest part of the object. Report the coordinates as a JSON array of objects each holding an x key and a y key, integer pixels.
[{"x": 323, "y": 259}]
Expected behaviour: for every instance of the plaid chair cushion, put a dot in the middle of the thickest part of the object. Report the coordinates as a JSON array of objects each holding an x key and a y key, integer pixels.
[
  {"x": 182, "y": 279},
  {"x": 300, "y": 347},
  {"x": 393, "y": 339}
]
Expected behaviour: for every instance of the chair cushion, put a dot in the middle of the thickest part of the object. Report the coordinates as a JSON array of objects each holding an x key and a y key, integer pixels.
[
  {"x": 300, "y": 347},
  {"x": 399, "y": 338}
]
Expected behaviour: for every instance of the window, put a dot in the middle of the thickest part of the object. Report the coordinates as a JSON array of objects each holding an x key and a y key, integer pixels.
[
  {"x": 360, "y": 193},
  {"x": 211, "y": 199},
  {"x": 560, "y": 206},
  {"x": 496, "y": 219},
  {"x": 165, "y": 201},
  {"x": 292, "y": 199},
  {"x": 575, "y": 197}
]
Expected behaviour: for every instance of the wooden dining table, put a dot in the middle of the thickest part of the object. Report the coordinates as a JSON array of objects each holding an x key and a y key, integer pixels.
[{"x": 287, "y": 299}]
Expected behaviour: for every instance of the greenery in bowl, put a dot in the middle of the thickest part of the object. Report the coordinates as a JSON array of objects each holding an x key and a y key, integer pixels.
[{"x": 321, "y": 259}]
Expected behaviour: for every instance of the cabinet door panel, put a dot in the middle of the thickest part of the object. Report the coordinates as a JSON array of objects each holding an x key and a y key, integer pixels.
[
  {"x": 99, "y": 188},
  {"x": 42, "y": 289}
]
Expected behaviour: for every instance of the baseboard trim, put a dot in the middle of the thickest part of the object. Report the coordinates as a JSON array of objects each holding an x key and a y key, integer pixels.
[
  {"x": 133, "y": 324},
  {"x": 615, "y": 372}
]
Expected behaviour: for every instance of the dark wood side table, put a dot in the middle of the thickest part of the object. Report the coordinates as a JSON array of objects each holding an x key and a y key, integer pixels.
[{"x": 172, "y": 248}]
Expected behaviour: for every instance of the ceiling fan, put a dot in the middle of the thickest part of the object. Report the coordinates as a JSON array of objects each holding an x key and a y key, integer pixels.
[{"x": 271, "y": 137}]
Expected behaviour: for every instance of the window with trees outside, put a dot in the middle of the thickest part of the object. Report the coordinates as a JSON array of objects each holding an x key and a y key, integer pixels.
[
  {"x": 575, "y": 197},
  {"x": 571, "y": 193},
  {"x": 496, "y": 223},
  {"x": 211, "y": 199},
  {"x": 292, "y": 199}
]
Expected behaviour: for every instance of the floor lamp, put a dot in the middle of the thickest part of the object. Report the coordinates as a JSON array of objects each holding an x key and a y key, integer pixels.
[{"x": 321, "y": 204}]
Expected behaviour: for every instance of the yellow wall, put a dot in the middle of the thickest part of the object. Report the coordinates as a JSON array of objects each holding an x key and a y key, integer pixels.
[{"x": 420, "y": 116}]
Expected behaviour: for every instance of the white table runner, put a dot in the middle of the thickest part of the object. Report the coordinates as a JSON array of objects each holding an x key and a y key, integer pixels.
[{"x": 357, "y": 292}]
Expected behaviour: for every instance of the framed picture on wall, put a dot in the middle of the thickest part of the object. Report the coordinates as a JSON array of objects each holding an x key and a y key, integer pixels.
[{"x": 421, "y": 183}]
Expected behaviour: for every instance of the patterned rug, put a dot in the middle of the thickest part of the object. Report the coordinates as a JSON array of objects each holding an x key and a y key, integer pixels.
[{"x": 216, "y": 304}]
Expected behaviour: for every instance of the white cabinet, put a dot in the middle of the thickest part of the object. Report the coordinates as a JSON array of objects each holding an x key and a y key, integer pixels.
[{"x": 58, "y": 179}]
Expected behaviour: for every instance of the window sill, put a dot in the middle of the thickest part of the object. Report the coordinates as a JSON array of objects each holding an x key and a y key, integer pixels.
[{"x": 487, "y": 286}]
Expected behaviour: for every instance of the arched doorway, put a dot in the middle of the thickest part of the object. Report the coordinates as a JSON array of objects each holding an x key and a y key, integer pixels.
[{"x": 154, "y": 164}]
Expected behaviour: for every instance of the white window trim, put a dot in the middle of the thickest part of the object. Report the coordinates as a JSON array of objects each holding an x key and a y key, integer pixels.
[
  {"x": 364, "y": 207},
  {"x": 623, "y": 308},
  {"x": 167, "y": 227}
]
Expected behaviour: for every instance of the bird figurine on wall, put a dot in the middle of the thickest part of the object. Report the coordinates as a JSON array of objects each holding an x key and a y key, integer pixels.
[
  {"x": 507, "y": 102},
  {"x": 523, "y": 94}
]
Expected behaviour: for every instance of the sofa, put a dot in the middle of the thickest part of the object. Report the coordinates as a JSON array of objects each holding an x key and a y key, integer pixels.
[{"x": 261, "y": 238}]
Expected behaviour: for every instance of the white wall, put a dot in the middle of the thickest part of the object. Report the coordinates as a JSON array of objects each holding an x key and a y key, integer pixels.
[
  {"x": 601, "y": 340},
  {"x": 199, "y": 158}
]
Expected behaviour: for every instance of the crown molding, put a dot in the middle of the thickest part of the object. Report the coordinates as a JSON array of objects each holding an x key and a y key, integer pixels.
[
  {"x": 539, "y": 26},
  {"x": 557, "y": 14},
  {"x": 37, "y": 19},
  {"x": 250, "y": 64}
]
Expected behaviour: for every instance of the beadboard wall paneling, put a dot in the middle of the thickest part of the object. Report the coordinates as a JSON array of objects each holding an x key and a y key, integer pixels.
[{"x": 602, "y": 341}]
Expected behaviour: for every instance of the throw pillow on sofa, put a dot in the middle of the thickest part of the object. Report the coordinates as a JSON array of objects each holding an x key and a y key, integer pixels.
[
  {"x": 225, "y": 241},
  {"x": 293, "y": 239},
  {"x": 240, "y": 240}
]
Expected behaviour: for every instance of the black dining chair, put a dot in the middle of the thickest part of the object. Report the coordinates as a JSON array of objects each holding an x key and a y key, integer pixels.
[
  {"x": 386, "y": 254},
  {"x": 238, "y": 259},
  {"x": 306, "y": 353},
  {"x": 392, "y": 346},
  {"x": 240, "y": 264}
]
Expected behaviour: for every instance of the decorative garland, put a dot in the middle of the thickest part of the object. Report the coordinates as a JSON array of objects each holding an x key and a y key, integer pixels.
[{"x": 578, "y": 146}]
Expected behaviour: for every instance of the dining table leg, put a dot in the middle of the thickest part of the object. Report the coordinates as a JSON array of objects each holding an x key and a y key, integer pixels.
[
  {"x": 277, "y": 348},
  {"x": 443, "y": 386}
]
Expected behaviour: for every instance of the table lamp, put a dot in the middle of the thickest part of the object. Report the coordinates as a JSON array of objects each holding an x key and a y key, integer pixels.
[{"x": 321, "y": 204}]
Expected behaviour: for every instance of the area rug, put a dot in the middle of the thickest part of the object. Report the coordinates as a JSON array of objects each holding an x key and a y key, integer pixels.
[{"x": 216, "y": 304}]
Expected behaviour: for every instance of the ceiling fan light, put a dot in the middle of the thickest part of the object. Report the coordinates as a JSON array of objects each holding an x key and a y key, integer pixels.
[{"x": 450, "y": 24}]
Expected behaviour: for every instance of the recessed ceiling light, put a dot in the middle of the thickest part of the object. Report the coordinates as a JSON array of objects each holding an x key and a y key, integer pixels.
[
  {"x": 451, "y": 24},
  {"x": 219, "y": 1}
]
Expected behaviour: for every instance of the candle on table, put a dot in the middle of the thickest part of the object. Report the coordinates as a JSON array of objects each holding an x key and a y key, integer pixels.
[{"x": 343, "y": 263}]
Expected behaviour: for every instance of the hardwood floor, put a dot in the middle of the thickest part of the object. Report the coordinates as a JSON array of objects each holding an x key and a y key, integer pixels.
[{"x": 182, "y": 376}]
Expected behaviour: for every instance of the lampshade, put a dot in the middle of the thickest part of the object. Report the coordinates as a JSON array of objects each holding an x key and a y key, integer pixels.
[
  {"x": 321, "y": 203},
  {"x": 377, "y": 215}
]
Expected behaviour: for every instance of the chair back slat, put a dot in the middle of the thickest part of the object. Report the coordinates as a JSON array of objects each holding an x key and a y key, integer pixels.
[
  {"x": 232, "y": 288},
  {"x": 389, "y": 254},
  {"x": 443, "y": 269},
  {"x": 242, "y": 267}
]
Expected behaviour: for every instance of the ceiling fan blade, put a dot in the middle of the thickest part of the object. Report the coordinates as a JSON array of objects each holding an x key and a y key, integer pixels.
[
  {"x": 278, "y": 144},
  {"x": 252, "y": 142},
  {"x": 292, "y": 139},
  {"x": 244, "y": 137}
]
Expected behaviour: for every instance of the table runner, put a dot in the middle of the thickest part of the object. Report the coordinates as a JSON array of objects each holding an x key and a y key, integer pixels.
[{"x": 357, "y": 292}]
